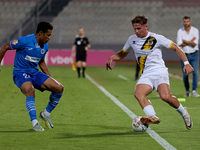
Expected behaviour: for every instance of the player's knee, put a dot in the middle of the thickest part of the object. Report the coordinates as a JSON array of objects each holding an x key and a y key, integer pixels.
[
  {"x": 138, "y": 96},
  {"x": 28, "y": 91},
  {"x": 60, "y": 89},
  {"x": 165, "y": 97}
]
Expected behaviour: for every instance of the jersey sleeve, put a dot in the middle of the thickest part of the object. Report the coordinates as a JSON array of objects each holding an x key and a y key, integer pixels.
[
  {"x": 127, "y": 46},
  {"x": 46, "y": 49},
  {"x": 165, "y": 42},
  {"x": 88, "y": 41},
  {"x": 75, "y": 41},
  {"x": 19, "y": 43}
]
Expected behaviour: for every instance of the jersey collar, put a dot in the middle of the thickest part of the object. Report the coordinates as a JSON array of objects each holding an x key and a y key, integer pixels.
[{"x": 36, "y": 43}]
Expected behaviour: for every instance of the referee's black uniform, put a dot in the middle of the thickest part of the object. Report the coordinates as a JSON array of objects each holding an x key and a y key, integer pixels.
[
  {"x": 81, "y": 43},
  {"x": 81, "y": 53}
]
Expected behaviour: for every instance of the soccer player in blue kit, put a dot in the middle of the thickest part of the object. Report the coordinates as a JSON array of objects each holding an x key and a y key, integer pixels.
[{"x": 30, "y": 52}]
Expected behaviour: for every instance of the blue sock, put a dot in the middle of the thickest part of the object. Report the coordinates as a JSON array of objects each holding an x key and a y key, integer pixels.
[
  {"x": 53, "y": 101},
  {"x": 30, "y": 107}
]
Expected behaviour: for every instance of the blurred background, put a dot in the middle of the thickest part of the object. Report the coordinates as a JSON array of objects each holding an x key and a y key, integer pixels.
[{"x": 107, "y": 23}]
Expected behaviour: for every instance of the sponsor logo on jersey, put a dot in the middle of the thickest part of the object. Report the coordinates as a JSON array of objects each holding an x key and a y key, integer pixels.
[
  {"x": 149, "y": 43},
  {"x": 133, "y": 42},
  {"x": 142, "y": 60},
  {"x": 32, "y": 59},
  {"x": 15, "y": 42},
  {"x": 37, "y": 46}
]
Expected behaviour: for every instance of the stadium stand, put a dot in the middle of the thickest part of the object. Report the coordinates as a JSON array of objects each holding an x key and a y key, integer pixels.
[
  {"x": 12, "y": 12},
  {"x": 108, "y": 21}
]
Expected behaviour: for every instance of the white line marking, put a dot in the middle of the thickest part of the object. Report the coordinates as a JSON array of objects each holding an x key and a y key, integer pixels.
[
  {"x": 151, "y": 132},
  {"x": 181, "y": 78},
  {"x": 123, "y": 77}
]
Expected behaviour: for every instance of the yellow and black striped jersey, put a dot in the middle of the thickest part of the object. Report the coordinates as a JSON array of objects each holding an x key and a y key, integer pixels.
[{"x": 148, "y": 51}]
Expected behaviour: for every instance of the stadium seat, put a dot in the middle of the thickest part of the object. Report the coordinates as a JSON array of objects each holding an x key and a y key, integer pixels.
[{"x": 12, "y": 12}]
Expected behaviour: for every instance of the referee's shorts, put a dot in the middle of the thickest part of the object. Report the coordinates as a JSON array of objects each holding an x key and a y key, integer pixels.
[{"x": 81, "y": 57}]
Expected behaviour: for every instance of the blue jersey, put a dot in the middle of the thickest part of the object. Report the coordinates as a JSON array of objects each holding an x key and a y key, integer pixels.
[{"x": 28, "y": 53}]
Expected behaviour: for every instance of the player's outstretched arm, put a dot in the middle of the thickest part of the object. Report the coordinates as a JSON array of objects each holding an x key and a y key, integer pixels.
[
  {"x": 43, "y": 67},
  {"x": 187, "y": 68},
  {"x": 3, "y": 50},
  {"x": 118, "y": 56}
]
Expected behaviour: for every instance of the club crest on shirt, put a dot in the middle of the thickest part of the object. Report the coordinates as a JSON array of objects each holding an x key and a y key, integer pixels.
[
  {"x": 15, "y": 42},
  {"x": 42, "y": 51},
  {"x": 149, "y": 43}
]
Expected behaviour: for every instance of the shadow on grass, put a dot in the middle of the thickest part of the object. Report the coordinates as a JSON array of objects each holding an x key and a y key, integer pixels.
[
  {"x": 24, "y": 131},
  {"x": 68, "y": 135},
  {"x": 99, "y": 135}
]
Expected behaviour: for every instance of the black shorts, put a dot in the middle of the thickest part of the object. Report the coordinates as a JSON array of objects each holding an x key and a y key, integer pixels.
[{"x": 81, "y": 57}]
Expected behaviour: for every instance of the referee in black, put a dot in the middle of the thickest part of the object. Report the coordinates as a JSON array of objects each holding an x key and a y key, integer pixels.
[{"x": 81, "y": 45}]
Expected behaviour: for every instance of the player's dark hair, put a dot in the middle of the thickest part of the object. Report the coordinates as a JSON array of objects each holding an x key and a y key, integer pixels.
[
  {"x": 186, "y": 17},
  {"x": 44, "y": 27},
  {"x": 141, "y": 19}
]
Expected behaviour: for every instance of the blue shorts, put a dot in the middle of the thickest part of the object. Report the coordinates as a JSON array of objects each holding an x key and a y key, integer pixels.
[{"x": 36, "y": 78}]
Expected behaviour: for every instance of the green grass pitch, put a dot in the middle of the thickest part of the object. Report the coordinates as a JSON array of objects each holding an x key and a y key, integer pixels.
[{"x": 86, "y": 119}]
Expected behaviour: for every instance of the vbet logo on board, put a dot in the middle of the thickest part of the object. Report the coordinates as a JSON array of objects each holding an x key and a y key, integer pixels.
[{"x": 61, "y": 60}]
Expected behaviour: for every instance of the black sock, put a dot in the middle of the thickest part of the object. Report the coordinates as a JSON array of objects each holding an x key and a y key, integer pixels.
[
  {"x": 83, "y": 73},
  {"x": 78, "y": 70}
]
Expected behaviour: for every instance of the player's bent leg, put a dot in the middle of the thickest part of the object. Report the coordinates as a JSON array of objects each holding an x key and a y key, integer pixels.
[
  {"x": 53, "y": 102},
  {"x": 186, "y": 117},
  {"x": 141, "y": 91},
  {"x": 164, "y": 92},
  {"x": 57, "y": 90},
  {"x": 52, "y": 85},
  {"x": 165, "y": 95},
  {"x": 188, "y": 121},
  {"x": 29, "y": 91},
  {"x": 47, "y": 120}
]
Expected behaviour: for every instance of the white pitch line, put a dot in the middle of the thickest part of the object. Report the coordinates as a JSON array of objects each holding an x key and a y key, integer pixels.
[
  {"x": 151, "y": 132},
  {"x": 123, "y": 77},
  {"x": 180, "y": 78}
]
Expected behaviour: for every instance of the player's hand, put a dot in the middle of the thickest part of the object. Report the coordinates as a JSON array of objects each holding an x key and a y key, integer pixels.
[
  {"x": 108, "y": 64},
  {"x": 188, "y": 69}
]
